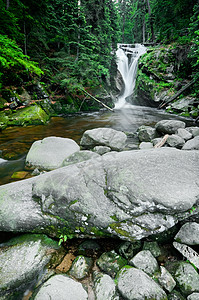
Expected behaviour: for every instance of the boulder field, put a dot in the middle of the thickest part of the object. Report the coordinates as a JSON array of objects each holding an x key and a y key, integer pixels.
[{"x": 137, "y": 197}]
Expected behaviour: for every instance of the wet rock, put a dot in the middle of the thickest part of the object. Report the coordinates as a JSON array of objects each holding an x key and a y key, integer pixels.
[
  {"x": 146, "y": 133},
  {"x": 128, "y": 249},
  {"x": 79, "y": 156},
  {"x": 184, "y": 134},
  {"x": 186, "y": 277},
  {"x": 188, "y": 234},
  {"x": 104, "y": 287},
  {"x": 193, "y": 130},
  {"x": 192, "y": 144},
  {"x": 193, "y": 296},
  {"x": 111, "y": 262},
  {"x": 63, "y": 288},
  {"x": 188, "y": 252},
  {"x": 153, "y": 247},
  {"x": 101, "y": 149},
  {"x": 145, "y": 145},
  {"x": 166, "y": 280},
  {"x": 145, "y": 261},
  {"x": 22, "y": 260},
  {"x": 50, "y": 152},
  {"x": 169, "y": 126},
  {"x": 81, "y": 267},
  {"x": 136, "y": 284},
  {"x": 176, "y": 141},
  {"x": 114, "y": 139}
]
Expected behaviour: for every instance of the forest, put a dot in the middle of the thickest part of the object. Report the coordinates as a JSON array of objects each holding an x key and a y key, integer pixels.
[{"x": 69, "y": 46}]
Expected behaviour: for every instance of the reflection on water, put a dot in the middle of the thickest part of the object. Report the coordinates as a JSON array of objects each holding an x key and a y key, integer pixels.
[{"x": 16, "y": 141}]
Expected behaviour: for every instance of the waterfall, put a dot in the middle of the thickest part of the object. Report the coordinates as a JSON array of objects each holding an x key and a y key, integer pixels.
[{"x": 127, "y": 60}]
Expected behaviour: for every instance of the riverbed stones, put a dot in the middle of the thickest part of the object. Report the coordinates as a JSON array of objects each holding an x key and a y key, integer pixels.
[
  {"x": 80, "y": 267},
  {"x": 109, "y": 137},
  {"x": 104, "y": 287},
  {"x": 146, "y": 133},
  {"x": 188, "y": 234},
  {"x": 176, "y": 141},
  {"x": 169, "y": 126},
  {"x": 50, "y": 152},
  {"x": 190, "y": 254},
  {"x": 136, "y": 284},
  {"x": 192, "y": 144},
  {"x": 166, "y": 280},
  {"x": 184, "y": 134},
  {"x": 186, "y": 277},
  {"x": 22, "y": 260},
  {"x": 61, "y": 287},
  {"x": 119, "y": 194},
  {"x": 145, "y": 261}
]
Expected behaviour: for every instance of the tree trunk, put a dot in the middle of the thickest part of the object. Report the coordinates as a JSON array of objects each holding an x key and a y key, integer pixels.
[
  {"x": 7, "y": 4},
  {"x": 151, "y": 21}
]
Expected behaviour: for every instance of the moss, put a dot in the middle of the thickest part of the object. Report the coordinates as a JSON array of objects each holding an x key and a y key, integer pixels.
[
  {"x": 31, "y": 115},
  {"x": 117, "y": 228},
  {"x": 99, "y": 233}
]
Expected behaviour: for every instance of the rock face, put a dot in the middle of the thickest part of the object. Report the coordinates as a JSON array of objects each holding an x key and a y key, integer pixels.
[
  {"x": 130, "y": 194},
  {"x": 50, "y": 152},
  {"x": 114, "y": 139}
]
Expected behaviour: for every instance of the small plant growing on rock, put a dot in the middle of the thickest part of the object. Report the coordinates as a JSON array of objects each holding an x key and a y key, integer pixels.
[{"x": 63, "y": 238}]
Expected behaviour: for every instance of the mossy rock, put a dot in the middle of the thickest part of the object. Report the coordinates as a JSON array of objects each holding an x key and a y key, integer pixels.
[{"x": 31, "y": 115}]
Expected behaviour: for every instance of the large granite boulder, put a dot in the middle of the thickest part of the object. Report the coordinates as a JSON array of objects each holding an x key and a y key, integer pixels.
[
  {"x": 169, "y": 126},
  {"x": 129, "y": 194},
  {"x": 50, "y": 152},
  {"x": 192, "y": 144},
  {"x": 109, "y": 137}
]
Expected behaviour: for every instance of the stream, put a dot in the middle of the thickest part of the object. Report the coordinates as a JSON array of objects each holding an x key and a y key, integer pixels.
[{"x": 16, "y": 141}]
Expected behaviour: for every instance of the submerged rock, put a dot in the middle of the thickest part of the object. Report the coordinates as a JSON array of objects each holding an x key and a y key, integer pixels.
[{"x": 50, "y": 152}]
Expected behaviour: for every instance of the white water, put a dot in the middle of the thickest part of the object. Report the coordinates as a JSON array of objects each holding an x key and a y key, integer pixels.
[{"x": 128, "y": 70}]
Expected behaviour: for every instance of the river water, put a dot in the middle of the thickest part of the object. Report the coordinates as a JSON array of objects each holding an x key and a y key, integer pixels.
[{"x": 16, "y": 141}]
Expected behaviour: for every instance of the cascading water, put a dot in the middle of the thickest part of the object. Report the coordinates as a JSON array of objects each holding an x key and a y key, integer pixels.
[{"x": 127, "y": 60}]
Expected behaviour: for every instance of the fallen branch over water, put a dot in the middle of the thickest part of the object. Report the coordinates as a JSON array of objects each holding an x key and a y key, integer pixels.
[
  {"x": 178, "y": 93},
  {"x": 97, "y": 100}
]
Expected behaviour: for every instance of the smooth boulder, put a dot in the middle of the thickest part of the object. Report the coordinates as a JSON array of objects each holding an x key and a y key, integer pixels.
[
  {"x": 109, "y": 137},
  {"x": 169, "y": 126},
  {"x": 50, "y": 152},
  {"x": 129, "y": 194}
]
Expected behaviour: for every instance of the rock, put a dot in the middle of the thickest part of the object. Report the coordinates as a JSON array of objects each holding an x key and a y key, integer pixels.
[
  {"x": 104, "y": 287},
  {"x": 130, "y": 195},
  {"x": 188, "y": 234},
  {"x": 145, "y": 145},
  {"x": 136, "y": 284},
  {"x": 176, "y": 141},
  {"x": 88, "y": 246},
  {"x": 114, "y": 139},
  {"x": 30, "y": 115},
  {"x": 153, "y": 247},
  {"x": 184, "y": 134},
  {"x": 193, "y": 130},
  {"x": 111, "y": 262},
  {"x": 128, "y": 250},
  {"x": 101, "y": 149},
  {"x": 22, "y": 260},
  {"x": 188, "y": 252},
  {"x": 61, "y": 287},
  {"x": 79, "y": 156},
  {"x": 166, "y": 280},
  {"x": 146, "y": 133},
  {"x": 169, "y": 126},
  {"x": 192, "y": 144},
  {"x": 50, "y": 152},
  {"x": 80, "y": 267},
  {"x": 193, "y": 296},
  {"x": 145, "y": 261},
  {"x": 156, "y": 141},
  {"x": 186, "y": 277}
]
